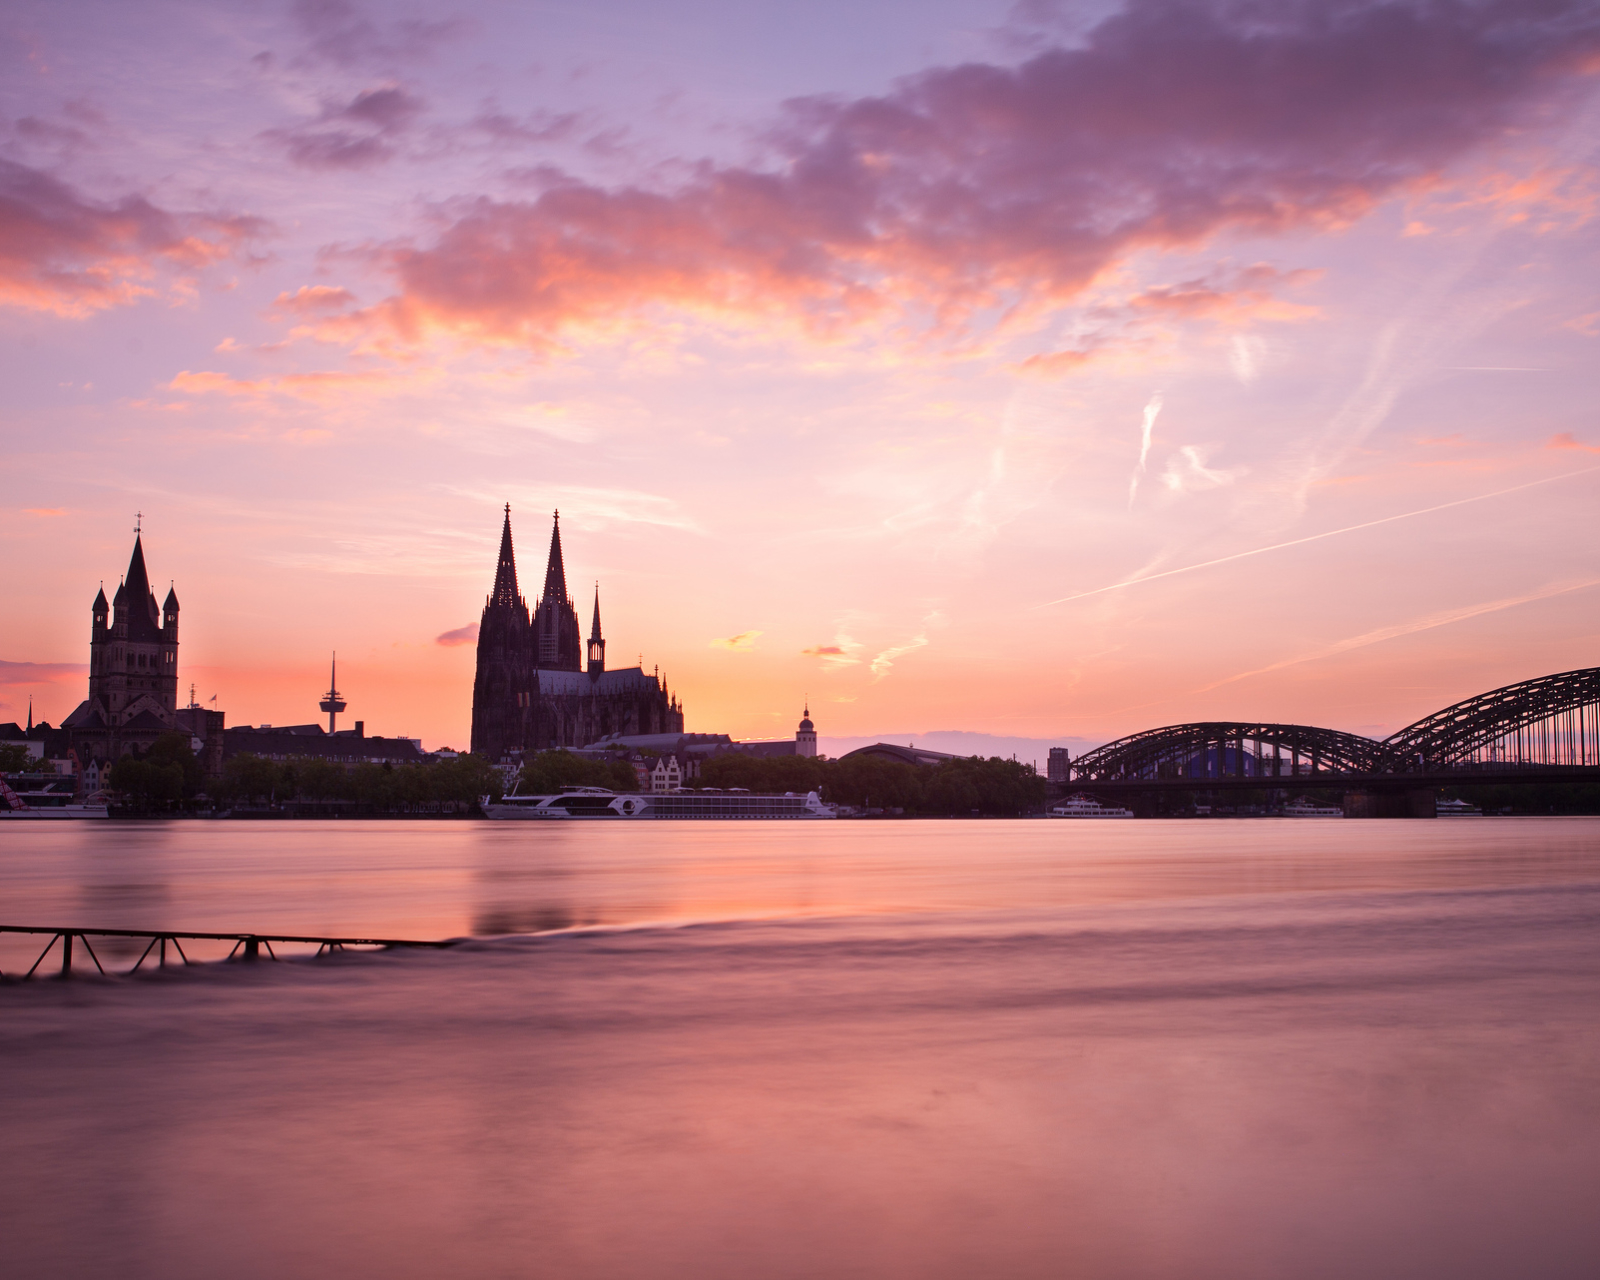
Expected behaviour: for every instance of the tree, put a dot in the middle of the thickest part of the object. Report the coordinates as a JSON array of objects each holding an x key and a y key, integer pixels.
[
  {"x": 763, "y": 773},
  {"x": 548, "y": 771},
  {"x": 249, "y": 777},
  {"x": 161, "y": 777},
  {"x": 14, "y": 757}
]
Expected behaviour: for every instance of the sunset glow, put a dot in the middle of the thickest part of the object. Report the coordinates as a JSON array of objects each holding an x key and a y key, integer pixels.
[{"x": 1040, "y": 371}]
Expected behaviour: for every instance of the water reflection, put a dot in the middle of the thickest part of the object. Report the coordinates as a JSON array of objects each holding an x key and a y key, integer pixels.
[
  {"x": 1225, "y": 1051},
  {"x": 507, "y": 918}
]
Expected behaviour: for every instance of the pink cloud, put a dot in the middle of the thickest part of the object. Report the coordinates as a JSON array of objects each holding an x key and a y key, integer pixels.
[
  {"x": 982, "y": 186},
  {"x": 320, "y": 386},
  {"x": 64, "y": 253},
  {"x": 460, "y": 636},
  {"x": 1244, "y": 297},
  {"x": 1566, "y": 440},
  {"x": 314, "y": 299},
  {"x": 13, "y": 673}
]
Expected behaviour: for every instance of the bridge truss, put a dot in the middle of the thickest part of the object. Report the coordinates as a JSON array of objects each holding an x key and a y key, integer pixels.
[
  {"x": 1552, "y": 723},
  {"x": 1554, "y": 720},
  {"x": 1228, "y": 749}
]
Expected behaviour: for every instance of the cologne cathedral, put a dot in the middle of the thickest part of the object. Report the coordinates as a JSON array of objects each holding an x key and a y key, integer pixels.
[{"x": 536, "y": 686}]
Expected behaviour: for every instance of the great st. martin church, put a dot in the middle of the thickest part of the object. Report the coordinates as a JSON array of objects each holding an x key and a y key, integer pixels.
[{"x": 534, "y": 690}]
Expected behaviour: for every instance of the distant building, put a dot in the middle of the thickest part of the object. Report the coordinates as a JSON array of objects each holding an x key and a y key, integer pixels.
[
  {"x": 13, "y": 734},
  {"x": 538, "y": 687},
  {"x": 666, "y": 775},
  {"x": 1059, "y": 766},
  {"x": 690, "y": 749},
  {"x": 346, "y": 747}
]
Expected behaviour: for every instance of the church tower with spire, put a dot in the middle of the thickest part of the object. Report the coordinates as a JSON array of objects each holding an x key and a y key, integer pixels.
[
  {"x": 502, "y": 693},
  {"x": 537, "y": 687},
  {"x": 133, "y": 665}
]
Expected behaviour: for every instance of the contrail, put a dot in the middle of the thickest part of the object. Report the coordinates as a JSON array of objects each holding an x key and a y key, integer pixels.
[
  {"x": 1317, "y": 537},
  {"x": 1150, "y": 412},
  {"x": 1424, "y": 623}
]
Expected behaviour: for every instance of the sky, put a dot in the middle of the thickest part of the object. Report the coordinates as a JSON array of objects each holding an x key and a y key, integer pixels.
[{"x": 1034, "y": 372}]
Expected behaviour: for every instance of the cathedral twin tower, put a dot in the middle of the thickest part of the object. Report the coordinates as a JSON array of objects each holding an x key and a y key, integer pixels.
[{"x": 536, "y": 688}]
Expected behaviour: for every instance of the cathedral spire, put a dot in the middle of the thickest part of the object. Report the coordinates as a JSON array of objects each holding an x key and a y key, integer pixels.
[
  {"x": 555, "y": 573},
  {"x": 597, "y": 644},
  {"x": 505, "y": 574}
]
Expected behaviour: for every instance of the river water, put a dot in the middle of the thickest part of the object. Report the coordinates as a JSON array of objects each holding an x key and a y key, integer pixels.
[{"x": 896, "y": 1049}]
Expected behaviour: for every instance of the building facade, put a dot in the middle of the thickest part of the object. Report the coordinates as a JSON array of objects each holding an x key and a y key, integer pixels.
[{"x": 538, "y": 686}]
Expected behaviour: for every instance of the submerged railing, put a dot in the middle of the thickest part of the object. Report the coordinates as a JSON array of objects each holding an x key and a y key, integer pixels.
[{"x": 250, "y": 942}]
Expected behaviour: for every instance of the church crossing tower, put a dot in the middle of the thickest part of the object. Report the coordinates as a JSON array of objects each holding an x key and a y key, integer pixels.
[{"x": 133, "y": 666}]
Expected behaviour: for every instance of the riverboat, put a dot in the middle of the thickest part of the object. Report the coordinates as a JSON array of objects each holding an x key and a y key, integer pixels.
[
  {"x": 598, "y": 803},
  {"x": 47, "y": 804},
  {"x": 1300, "y": 807},
  {"x": 1087, "y": 807},
  {"x": 1456, "y": 809}
]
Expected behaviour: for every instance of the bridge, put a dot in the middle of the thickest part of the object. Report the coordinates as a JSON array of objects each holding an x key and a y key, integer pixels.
[{"x": 1538, "y": 731}]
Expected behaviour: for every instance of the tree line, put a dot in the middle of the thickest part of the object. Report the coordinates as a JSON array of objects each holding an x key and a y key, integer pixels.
[
  {"x": 434, "y": 786},
  {"x": 963, "y": 786},
  {"x": 168, "y": 777}
]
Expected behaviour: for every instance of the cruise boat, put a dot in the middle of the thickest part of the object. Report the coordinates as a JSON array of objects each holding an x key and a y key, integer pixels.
[
  {"x": 48, "y": 804},
  {"x": 597, "y": 802},
  {"x": 1456, "y": 809},
  {"x": 1087, "y": 807},
  {"x": 1300, "y": 807}
]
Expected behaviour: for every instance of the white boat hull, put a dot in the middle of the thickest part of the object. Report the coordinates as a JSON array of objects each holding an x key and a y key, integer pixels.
[
  {"x": 593, "y": 804},
  {"x": 56, "y": 813}
]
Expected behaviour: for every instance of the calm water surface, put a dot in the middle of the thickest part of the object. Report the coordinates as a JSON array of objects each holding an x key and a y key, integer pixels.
[{"x": 1202, "y": 1049}]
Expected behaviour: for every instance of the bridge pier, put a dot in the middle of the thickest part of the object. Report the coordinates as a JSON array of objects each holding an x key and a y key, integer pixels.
[{"x": 1414, "y": 802}]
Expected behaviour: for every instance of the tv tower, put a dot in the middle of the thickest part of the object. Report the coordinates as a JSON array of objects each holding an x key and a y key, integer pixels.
[{"x": 331, "y": 702}]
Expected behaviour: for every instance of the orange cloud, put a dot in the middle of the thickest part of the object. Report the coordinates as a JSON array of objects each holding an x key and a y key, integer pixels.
[
  {"x": 1566, "y": 440},
  {"x": 63, "y": 253},
  {"x": 44, "y": 511},
  {"x": 741, "y": 643}
]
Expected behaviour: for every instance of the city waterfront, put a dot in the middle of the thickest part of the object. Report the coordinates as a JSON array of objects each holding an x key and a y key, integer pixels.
[{"x": 1310, "y": 1048}]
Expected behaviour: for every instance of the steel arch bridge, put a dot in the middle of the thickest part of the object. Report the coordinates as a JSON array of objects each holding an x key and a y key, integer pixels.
[
  {"x": 1228, "y": 749},
  {"x": 1551, "y": 723}
]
